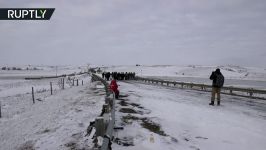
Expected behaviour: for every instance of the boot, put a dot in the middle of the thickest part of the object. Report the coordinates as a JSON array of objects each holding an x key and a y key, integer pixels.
[
  {"x": 212, "y": 103},
  {"x": 218, "y": 103}
]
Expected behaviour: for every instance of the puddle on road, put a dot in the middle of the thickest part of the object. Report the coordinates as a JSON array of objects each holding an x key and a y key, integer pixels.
[
  {"x": 123, "y": 95},
  {"x": 145, "y": 123},
  {"x": 136, "y": 105},
  {"x": 128, "y": 110},
  {"x": 128, "y": 119},
  {"x": 123, "y": 103},
  {"x": 125, "y": 141},
  {"x": 71, "y": 145},
  {"x": 152, "y": 126}
]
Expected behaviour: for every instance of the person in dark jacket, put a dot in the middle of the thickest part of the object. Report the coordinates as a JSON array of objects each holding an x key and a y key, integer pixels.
[
  {"x": 103, "y": 74},
  {"x": 217, "y": 83},
  {"x": 107, "y": 76}
]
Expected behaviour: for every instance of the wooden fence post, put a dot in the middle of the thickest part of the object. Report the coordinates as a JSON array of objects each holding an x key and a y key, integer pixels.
[
  {"x": 82, "y": 82},
  {"x": 73, "y": 82},
  {"x": 77, "y": 82},
  {"x": 51, "y": 88},
  {"x": 251, "y": 92},
  {"x": 63, "y": 83},
  {"x": 32, "y": 91}
]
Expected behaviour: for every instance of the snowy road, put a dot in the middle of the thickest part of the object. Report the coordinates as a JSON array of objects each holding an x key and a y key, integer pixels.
[{"x": 156, "y": 117}]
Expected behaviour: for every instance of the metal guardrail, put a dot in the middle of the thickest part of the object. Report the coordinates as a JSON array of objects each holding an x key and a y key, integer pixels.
[
  {"x": 109, "y": 130},
  {"x": 237, "y": 91},
  {"x": 110, "y": 103},
  {"x": 106, "y": 85}
]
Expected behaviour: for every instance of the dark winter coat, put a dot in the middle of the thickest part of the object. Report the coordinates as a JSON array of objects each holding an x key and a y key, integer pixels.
[{"x": 214, "y": 76}]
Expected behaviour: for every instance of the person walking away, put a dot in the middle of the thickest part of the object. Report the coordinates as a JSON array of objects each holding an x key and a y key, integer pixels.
[
  {"x": 103, "y": 74},
  {"x": 114, "y": 88},
  {"x": 107, "y": 76},
  {"x": 217, "y": 83}
]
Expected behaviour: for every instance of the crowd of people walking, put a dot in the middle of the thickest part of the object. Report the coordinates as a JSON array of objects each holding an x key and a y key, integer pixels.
[{"x": 118, "y": 75}]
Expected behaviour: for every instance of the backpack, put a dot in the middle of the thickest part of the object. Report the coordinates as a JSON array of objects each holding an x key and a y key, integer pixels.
[{"x": 219, "y": 80}]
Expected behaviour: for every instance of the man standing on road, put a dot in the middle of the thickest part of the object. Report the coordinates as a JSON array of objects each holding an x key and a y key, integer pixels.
[{"x": 217, "y": 83}]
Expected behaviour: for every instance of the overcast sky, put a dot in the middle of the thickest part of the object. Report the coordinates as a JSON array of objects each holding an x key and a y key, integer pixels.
[{"x": 125, "y": 32}]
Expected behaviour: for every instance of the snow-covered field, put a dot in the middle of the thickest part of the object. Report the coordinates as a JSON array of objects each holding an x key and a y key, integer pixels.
[
  {"x": 36, "y": 71},
  {"x": 57, "y": 121},
  {"x": 159, "y": 118}
]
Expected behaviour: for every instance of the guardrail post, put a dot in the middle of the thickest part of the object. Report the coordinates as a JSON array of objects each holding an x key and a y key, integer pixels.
[
  {"x": 99, "y": 125},
  {"x": 251, "y": 92},
  {"x": 63, "y": 80},
  {"x": 108, "y": 100},
  {"x": 167, "y": 83},
  {"x": 182, "y": 85},
  {"x": 82, "y": 82},
  {"x": 77, "y": 82},
  {"x": 32, "y": 92},
  {"x": 106, "y": 108}
]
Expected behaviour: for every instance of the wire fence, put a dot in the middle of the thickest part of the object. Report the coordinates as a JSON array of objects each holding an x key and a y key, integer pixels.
[{"x": 31, "y": 92}]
